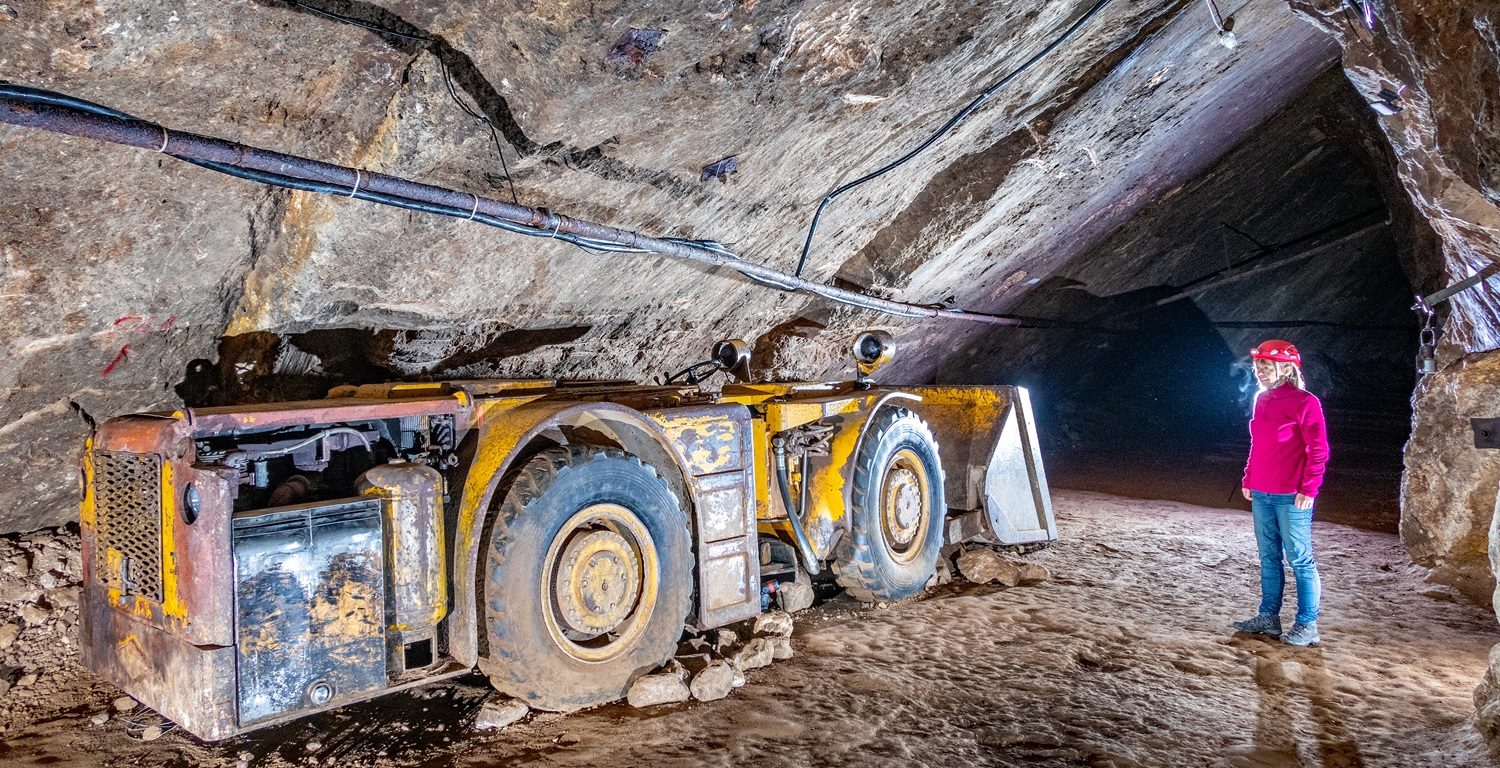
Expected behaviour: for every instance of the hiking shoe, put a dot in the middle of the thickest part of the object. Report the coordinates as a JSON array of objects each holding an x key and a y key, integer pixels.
[
  {"x": 1302, "y": 635},
  {"x": 1264, "y": 624}
]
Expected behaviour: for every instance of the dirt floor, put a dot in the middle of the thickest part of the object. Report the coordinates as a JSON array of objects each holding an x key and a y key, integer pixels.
[{"x": 1123, "y": 658}]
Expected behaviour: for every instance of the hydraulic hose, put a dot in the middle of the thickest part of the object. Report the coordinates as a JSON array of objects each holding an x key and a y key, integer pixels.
[
  {"x": 47, "y": 110},
  {"x": 810, "y": 561}
]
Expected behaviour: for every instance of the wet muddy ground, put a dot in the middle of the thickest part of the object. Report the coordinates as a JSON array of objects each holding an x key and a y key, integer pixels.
[{"x": 1122, "y": 659}]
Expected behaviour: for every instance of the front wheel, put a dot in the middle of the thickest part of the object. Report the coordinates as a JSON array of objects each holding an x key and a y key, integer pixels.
[
  {"x": 896, "y": 519},
  {"x": 589, "y": 578}
]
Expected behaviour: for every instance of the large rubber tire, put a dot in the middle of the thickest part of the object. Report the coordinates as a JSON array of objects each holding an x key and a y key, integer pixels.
[
  {"x": 872, "y": 563},
  {"x": 526, "y": 658}
]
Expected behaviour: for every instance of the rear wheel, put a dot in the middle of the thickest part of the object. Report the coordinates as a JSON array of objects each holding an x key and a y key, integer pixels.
[
  {"x": 896, "y": 520},
  {"x": 589, "y": 578}
]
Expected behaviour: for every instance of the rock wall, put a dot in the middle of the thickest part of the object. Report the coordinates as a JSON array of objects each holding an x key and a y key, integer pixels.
[
  {"x": 1443, "y": 59},
  {"x": 125, "y": 269}
]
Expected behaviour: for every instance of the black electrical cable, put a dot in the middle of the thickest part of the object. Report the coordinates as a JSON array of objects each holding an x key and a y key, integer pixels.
[
  {"x": 948, "y": 126},
  {"x": 428, "y": 41}
]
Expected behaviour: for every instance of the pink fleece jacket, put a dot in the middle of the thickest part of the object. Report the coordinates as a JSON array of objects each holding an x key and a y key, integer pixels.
[{"x": 1288, "y": 443}]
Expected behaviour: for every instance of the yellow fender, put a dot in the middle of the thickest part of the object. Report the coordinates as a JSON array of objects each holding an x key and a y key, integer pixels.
[
  {"x": 829, "y": 496},
  {"x": 504, "y": 431}
]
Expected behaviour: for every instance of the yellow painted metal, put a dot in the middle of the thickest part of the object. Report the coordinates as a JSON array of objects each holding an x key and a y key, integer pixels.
[
  {"x": 904, "y": 505},
  {"x": 709, "y": 441},
  {"x": 563, "y": 588},
  {"x": 172, "y": 606},
  {"x": 87, "y": 516}
]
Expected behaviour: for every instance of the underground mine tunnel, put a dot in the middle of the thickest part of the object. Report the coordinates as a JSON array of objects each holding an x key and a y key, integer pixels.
[{"x": 786, "y": 382}]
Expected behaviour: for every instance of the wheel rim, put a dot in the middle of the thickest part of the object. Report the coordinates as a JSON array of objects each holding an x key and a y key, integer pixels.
[
  {"x": 599, "y": 582},
  {"x": 905, "y": 511}
]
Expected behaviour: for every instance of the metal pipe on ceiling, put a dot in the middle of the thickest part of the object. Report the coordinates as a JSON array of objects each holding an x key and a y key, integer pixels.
[{"x": 59, "y": 113}]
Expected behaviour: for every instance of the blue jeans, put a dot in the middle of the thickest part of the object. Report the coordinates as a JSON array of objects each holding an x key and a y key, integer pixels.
[{"x": 1282, "y": 528}]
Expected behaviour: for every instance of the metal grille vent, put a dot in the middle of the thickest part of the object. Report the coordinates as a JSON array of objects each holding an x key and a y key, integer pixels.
[{"x": 127, "y": 498}]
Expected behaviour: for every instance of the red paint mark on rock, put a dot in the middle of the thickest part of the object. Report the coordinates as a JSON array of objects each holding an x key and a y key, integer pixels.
[{"x": 119, "y": 358}]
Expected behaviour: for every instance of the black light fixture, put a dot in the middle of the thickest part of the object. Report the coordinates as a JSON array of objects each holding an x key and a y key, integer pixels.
[{"x": 1388, "y": 102}]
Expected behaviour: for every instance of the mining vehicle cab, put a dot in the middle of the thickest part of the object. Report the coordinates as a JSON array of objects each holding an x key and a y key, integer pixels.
[{"x": 248, "y": 565}]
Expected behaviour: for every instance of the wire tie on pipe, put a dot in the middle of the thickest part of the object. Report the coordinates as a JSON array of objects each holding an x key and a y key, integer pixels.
[
  {"x": 357, "y": 175},
  {"x": 474, "y": 212},
  {"x": 163, "y": 147}
]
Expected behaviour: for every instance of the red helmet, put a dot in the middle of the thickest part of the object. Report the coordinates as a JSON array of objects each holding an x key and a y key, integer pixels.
[{"x": 1277, "y": 350}]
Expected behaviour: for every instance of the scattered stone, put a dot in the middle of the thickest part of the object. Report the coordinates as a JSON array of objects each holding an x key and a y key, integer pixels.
[
  {"x": 755, "y": 654},
  {"x": 48, "y": 581},
  {"x": 795, "y": 596},
  {"x": 726, "y": 639},
  {"x": 152, "y": 733},
  {"x": 314, "y": 745},
  {"x": 34, "y": 614},
  {"x": 99, "y": 718},
  {"x": 668, "y": 687},
  {"x": 8, "y": 634},
  {"x": 739, "y": 678},
  {"x": 781, "y": 647},
  {"x": 498, "y": 714},
  {"x": 124, "y": 704},
  {"x": 941, "y": 575},
  {"x": 1034, "y": 573},
  {"x": 64, "y": 598},
  {"x": 26, "y": 680},
  {"x": 714, "y": 682},
  {"x": 984, "y": 566},
  {"x": 774, "y": 623}
]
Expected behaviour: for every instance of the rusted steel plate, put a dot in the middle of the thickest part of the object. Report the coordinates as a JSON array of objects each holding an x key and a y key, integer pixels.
[
  {"x": 185, "y": 587},
  {"x": 723, "y": 507},
  {"x": 213, "y": 421},
  {"x": 190, "y": 684}
]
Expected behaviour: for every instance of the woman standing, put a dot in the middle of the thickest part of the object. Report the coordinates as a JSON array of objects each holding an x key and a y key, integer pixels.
[{"x": 1288, "y": 453}]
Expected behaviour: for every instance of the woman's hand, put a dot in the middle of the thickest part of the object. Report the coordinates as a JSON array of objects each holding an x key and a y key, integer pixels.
[
  {"x": 1245, "y": 492},
  {"x": 1303, "y": 501}
]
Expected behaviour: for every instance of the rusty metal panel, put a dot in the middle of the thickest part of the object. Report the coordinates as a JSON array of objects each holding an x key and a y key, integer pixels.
[
  {"x": 727, "y": 583},
  {"x": 191, "y": 685},
  {"x": 219, "y": 420},
  {"x": 728, "y": 558},
  {"x": 722, "y": 506},
  {"x": 310, "y": 606},
  {"x": 709, "y": 439}
]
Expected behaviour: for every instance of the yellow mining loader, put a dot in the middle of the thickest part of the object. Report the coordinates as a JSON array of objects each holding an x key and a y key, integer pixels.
[{"x": 245, "y": 566}]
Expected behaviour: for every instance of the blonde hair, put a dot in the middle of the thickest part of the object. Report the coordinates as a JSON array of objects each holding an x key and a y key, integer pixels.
[{"x": 1291, "y": 374}]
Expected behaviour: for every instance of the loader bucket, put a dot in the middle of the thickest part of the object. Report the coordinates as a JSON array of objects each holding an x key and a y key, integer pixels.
[{"x": 994, "y": 481}]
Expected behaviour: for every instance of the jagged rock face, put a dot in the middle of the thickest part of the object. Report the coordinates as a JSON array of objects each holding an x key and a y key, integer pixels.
[
  {"x": 125, "y": 267},
  {"x": 1449, "y": 487},
  {"x": 1444, "y": 60},
  {"x": 1142, "y": 339}
]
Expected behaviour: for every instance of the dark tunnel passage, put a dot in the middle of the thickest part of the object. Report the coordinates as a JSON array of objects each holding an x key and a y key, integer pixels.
[{"x": 1138, "y": 355}]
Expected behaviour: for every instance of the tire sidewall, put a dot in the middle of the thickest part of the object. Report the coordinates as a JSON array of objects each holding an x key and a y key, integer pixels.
[
  {"x": 895, "y": 430},
  {"x": 542, "y": 674}
]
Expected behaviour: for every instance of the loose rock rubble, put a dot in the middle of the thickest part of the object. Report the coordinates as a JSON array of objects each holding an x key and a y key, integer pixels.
[
  {"x": 498, "y": 714},
  {"x": 40, "y": 675},
  {"x": 984, "y": 565},
  {"x": 707, "y": 670},
  {"x": 714, "y": 682},
  {"x": 666, "y": 687}
]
